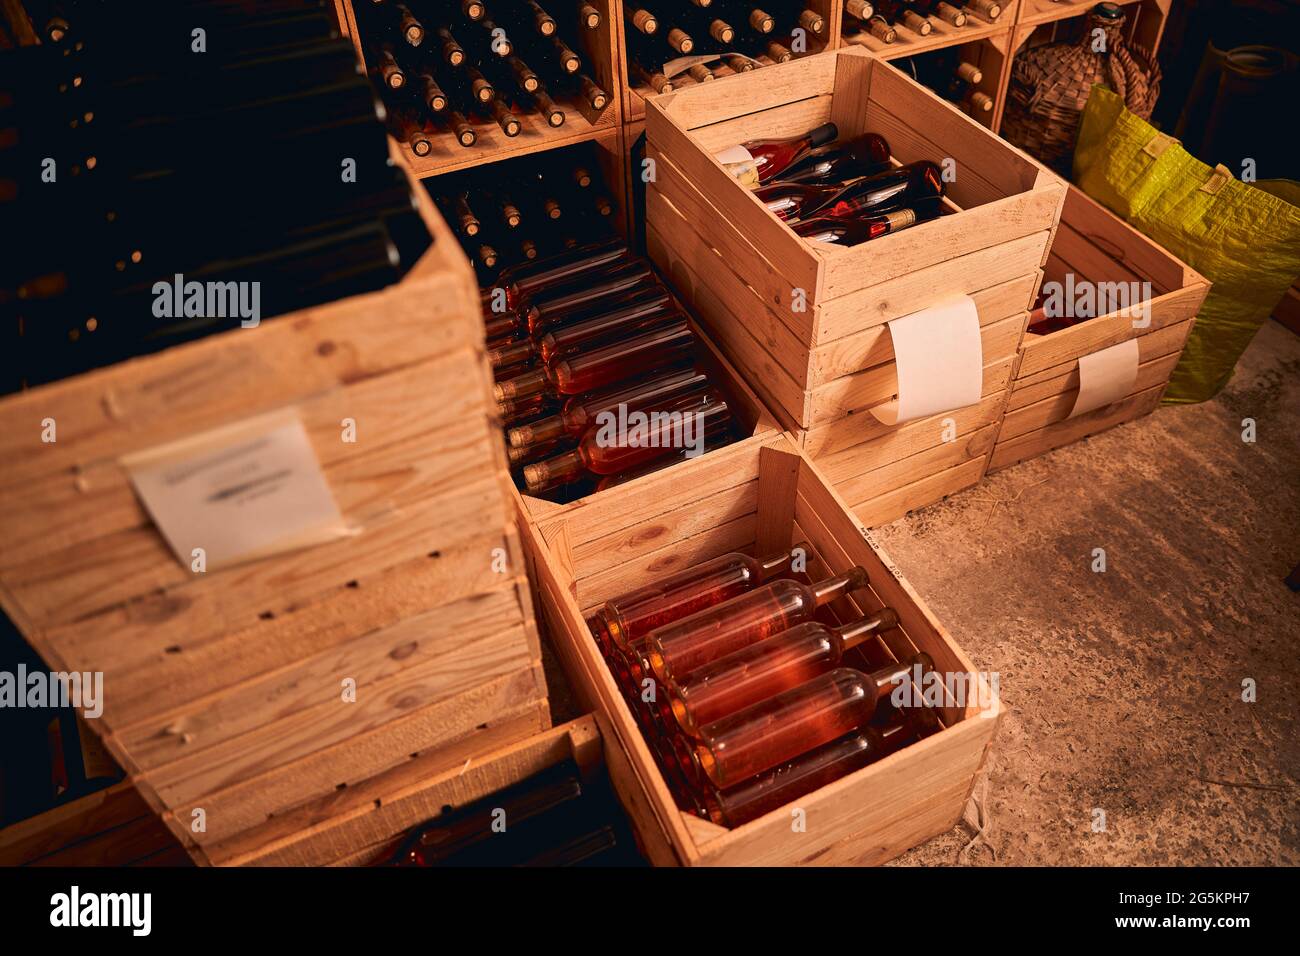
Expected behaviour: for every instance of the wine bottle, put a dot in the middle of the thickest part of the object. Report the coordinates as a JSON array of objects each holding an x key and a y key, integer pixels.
[
  {"x": 739, "y": 63},
  {"x": 815, "y": 769},
  {"x": 408, "y": 25},
  {"x": 467, "y": 224},
  {"x": 596, "y": 98},
  {"x": 430, "y": 93},
  {"x": 768, "y": 158},
  {"x": 579, "y": 412},
  {"x": 573, "y": 375},
  {"x": 812, "y": 21},
  {"x": 700, "y": 73},
  {"x": 851, "y": 232},
  {"x": 746, "y": 676},
  {"x": 986, "y": 10},
  {"x": 452, "y": 53},
  {"x": 946, "y": 12},
  {"x": 772, "y": 731},
  {"x": 901, "y": 14},
  {"x": 708, "y": 24},
  {"x": 472, "y": 9},
  {"x": 542, "y": 21},
  {"x": 664, "y": 433},
  {"x": 588, "y": 16},
  {"x": 759, "y": 20},
  {"x": 880, "y": 192},
  {"x": 881, "y": 29},
  {"x": 390, "y": 71},
  {"x": 861, "y": 10},
  {"x": 862, "y": 155},
  {"x": 559, "y": 304},
  {"x": 652, "y": 78},
  {"x": 518, "y": 282},
  {"x": 411, "y": 128},
  {"x": 523, "y": 74},
  {"x": 634, "y": 615},
  {"x": 969, "y": 73},
  {"x": 574, "y": 337},
  {"x": 641, "y": 19},
  {"x": 676, "y": 649}
]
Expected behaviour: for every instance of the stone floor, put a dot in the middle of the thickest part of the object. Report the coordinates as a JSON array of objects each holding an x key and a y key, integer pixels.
[{"x": 1123, "y": 689}]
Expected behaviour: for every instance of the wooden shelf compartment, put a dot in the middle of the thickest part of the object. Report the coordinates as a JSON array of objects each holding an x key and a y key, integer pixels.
[{"x": 943, "y": 35}]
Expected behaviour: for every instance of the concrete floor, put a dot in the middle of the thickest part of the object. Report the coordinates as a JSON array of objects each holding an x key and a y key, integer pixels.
[{"x": 1123, "y": 689}]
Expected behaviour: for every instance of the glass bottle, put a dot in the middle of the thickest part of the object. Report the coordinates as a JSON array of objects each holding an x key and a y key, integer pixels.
[
  {"x": 746, "y": 676},
  {"x": 795, "y": 721},
  {"x": 716, "y": 435},
  {"x": 579, "y": 412},
  {"x": 811, "y": 771},
  {"x": 634, "y": 615},
  {"x": 571, "y": 338},
  {"x": 595, "y": 456},
  {"x": 850, "y": 232},
  {"x": 882, "y": 192},
  {"x": 862, "y": 155},
  {"x": 771, "y": 157},
  {"x": 520, "y": 280},
  {"x": 614, "y": 285},
  {"x": 575, "y": 374},
  {"x": 678, "y": 648}
]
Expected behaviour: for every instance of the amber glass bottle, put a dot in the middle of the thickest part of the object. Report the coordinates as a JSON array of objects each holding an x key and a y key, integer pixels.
[
  {"x": 746, "y": 676},
  {"x": 795, "y": 721},
  {"x": 677, "y": 649}
]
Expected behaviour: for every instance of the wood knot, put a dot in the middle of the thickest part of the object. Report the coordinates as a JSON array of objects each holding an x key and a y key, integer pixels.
[{"x": 403, "y": 651}]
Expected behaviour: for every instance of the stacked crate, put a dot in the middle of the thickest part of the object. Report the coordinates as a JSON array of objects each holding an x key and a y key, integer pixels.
[
  {"x": 805, "y": 325},
  {"x": 1096, "y": 248},
  {"x": 226, "y": 693}
]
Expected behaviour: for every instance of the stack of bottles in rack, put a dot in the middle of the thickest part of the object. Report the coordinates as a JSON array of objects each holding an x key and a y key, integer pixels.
[
  {"x": 446, "y": 69},
  {"x": 672, "y": 42},
  {"x": 600, "y": 375},
  {"x": 951, "y": 74},
  {"x": 139, "y": 148},
  {"x": 526, "y": 209},
  {"x": 894, "y": 21},
  {"x": 753, "y": 686},
  {"x": 842, "y": 192}
]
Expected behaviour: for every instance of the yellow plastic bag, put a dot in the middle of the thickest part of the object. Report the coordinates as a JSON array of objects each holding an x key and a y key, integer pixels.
[{"x": 1244, "y": 239}]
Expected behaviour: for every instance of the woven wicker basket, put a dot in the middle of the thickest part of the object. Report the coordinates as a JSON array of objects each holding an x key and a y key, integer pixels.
[{"x": 1050, "y": 85}]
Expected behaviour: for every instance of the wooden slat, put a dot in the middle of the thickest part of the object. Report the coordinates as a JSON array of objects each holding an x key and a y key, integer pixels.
[
  {"x": 895, "y": 473},
  {"x": 893, "y": 505}
]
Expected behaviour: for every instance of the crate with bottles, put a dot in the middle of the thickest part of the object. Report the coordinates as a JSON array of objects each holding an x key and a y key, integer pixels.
[
  {"x": 898, "y": 28},
  {"x": 677, "y": 44},
  {"x": 815, "y": 217},
  {"x": 583, "y": 333},
  {"x": 468, "y": 81},
  {"x": 1104, "y": 337},
  {"x": 781, "y": 693}
]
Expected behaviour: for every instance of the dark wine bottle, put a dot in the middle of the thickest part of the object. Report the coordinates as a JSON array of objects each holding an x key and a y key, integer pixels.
[
  {"x": 850, "y": 232},
  {"x": 839, "y": 162}
]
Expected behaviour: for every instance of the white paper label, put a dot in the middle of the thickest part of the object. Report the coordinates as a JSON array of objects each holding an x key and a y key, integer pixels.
[
  {"x": 1106, "y": 376},
  {"x": 940, "y": 360},
  {"x": 734, "y": 154},
  {"x": 240, "y": 492}
]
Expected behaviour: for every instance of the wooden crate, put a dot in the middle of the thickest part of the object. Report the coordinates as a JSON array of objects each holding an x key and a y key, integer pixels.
[
  {"x": 635, "y": 94},
  {"x": 1096, "y": 246},
  {"x": 223, "y": 690},
  {"x": 365, "y": 825},
  {"x": 821, "y": 369},
  {"x": 600, "y": 61},
  {"x": 111, "y": 827},
  {"x": 758, "y": 496}
]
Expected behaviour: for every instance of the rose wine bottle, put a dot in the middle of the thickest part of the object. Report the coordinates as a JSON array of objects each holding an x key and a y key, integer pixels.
[
  {"x": 881, "y": 192},
  {"x": 850, "y": 232},
  {"x": 815, "y": 769},
  {"x": 573, "y": 337},
  {"x": 678, "y": 648},
  {"x": 660, "y": 437},
  {"x": 746, "y": 676},
  {"x": 635, "y": 614},
  {"x": 575, "y": 374},
  {"x": 579, "y": 413},
  {"x": 767, "y": 734},
  {"x": 636, "y": 295},
  {"x": 768, "y": 158},
  {"x": 716, "y": 435},
  {"x": 521, "y": 280},
  {"x": 553, "y": 308},
  {"x": 862, "y": 155}
]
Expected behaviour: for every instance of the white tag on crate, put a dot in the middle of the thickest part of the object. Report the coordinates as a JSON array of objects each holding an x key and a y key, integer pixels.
[
  {"x": 940, "y": 361},
  {"x": 238, "y": 493},
  {"x": 1106, "y": 376}
]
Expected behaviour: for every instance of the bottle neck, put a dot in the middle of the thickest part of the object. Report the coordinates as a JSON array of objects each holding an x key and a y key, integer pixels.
[
  {"x": 535, "y": 433},
  {"x": 840, "y": 585},
  {"x": 895, "y": 675},
  {"x": 521, "y": 386},
  {"x": 554, "y": 471},
  {"x": 860, "y": 631},
  {"x": 778, "y": 563}
]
